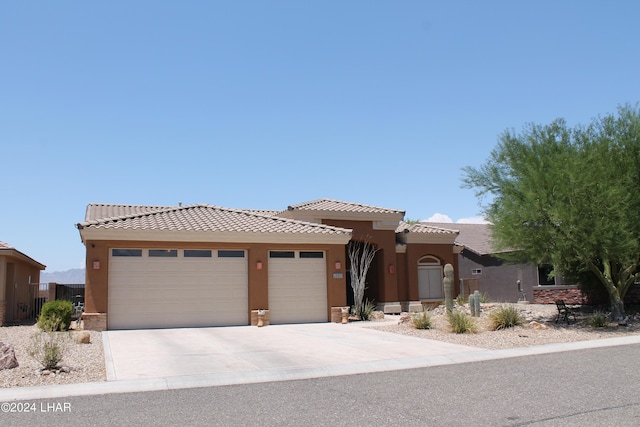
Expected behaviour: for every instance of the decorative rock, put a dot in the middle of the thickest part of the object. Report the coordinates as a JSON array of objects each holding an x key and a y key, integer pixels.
[
  {"x": 405, "y": 318},
  {"x": 377, "y": 315},
  {"x": 7, "y": 357},
  {"x": 537, "y": 325},
  {"x": 83, "y": 337}
]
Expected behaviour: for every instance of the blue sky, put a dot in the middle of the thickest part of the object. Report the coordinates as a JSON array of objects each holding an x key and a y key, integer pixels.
[{"x": 264, "y": 104}]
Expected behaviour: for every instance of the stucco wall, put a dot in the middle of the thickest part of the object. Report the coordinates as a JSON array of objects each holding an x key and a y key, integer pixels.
[
  {"x": 444, "y": 253},
  {"x": 96, "y": 288},
  {"x": 18, "y": 293},
  {"x": 498, "y": 279},
  {"x": 386, "y": 288}
]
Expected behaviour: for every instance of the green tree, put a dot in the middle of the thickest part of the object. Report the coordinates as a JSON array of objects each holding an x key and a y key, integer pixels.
[{"x": 569, "y": 197}]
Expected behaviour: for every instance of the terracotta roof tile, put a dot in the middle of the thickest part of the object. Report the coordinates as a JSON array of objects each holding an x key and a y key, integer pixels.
[
  {"x": 421, "y": 227},
  {"x": 102, "y": 211},
  {"x": 199, "y": 218},
  {"x": 340, "y": 206}
]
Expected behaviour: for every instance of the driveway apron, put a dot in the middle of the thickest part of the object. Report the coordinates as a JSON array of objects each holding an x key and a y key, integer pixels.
[{"x": 159, "y": 353}]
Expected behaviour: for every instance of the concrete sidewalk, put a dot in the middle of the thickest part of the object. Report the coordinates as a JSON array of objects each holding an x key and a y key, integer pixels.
[{"x": 163, "y": 359}]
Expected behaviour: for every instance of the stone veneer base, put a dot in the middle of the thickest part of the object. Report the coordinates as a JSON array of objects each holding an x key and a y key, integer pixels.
[
  {"x": 254, "y": 318},
  {"x": 95, "y": 321},
  {"x": 390, "y": 307}
]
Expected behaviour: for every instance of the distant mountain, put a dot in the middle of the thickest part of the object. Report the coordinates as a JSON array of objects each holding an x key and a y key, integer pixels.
[{"x": 73, "y": 276}]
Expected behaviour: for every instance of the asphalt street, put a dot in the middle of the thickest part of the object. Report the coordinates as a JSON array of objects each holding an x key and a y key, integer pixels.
[{"x": 589, "y": 387}]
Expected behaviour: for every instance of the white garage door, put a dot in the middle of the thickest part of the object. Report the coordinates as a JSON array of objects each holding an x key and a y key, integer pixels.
[
  {"x": 297, "y": 287},
  {"x": 168, "y": 288}
]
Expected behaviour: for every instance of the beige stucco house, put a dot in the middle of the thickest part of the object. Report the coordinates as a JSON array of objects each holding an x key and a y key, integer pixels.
[
  {"x": 204, "y": 265},
  {"x": 19, "y": 279}
]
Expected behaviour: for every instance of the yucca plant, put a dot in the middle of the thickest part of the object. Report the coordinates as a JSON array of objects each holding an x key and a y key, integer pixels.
[
  {"x": 598, "y": 319},
  {"x": 503, "y": 317},
  {"x": 364, "y": 310},
  {"x": 422, "y": 320},
  {"x": 461, "y": 322}
]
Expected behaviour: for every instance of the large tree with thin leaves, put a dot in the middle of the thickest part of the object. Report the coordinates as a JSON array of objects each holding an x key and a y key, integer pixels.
[{"x": 569, "y": 197}]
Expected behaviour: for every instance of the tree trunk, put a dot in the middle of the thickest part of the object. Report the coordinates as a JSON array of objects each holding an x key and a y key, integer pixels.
[
  {"x": 615, "y": 297},
  {"x": 617, "y": 305}
]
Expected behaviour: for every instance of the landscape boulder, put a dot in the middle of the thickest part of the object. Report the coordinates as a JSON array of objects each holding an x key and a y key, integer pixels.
[
  {"x": 7, "y": 357},
  {"x": 83, "y": 337}
]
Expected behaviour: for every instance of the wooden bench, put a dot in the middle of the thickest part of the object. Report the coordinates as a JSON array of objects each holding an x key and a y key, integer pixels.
[{"x": 564, "y": 312}]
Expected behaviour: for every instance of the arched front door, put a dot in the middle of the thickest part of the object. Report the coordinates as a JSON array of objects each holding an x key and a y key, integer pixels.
[{"x": 430, "y": 278}]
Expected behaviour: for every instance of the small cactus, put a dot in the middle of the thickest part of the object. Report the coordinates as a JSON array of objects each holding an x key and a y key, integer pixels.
[
  {"x": 448, "y": 287},
  {"x": 476, "y": 303},
  {"x": 472, "y": 298}
]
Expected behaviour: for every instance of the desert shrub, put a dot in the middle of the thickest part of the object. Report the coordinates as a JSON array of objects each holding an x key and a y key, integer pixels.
[
  {"x": 503, "y": 317},
  {"x": 47, "y": 347},
  {"x": 461, "y": 322},
  {"x": 598, "y": 319},
  {"x": 484, "y": 298},
  {"x": 422, "y": 320},
  {"x": 55, "y": 314},
  {"x": 461, "y": 300},
  {"x": 364, "y": 310}
]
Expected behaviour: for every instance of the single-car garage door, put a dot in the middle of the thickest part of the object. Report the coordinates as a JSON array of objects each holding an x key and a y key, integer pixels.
[
  {"x": 297, "y": 287},
  {"x": 168, "y": 288}
]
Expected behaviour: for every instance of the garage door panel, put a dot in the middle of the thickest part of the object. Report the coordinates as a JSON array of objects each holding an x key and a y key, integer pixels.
[
  {"x": 297, "y": 290},
  {"x": 177, "y": 292}
]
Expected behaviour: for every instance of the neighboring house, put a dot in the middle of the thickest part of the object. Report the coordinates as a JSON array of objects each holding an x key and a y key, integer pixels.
[
  {"x": 481, "y": 268},
  {"x": 204, "y": 265},
  {"x": 19, "y": 281}
]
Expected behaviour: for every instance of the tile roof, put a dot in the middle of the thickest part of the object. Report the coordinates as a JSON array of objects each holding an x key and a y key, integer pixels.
[
  {"x": 421, "y": 227},
  {"x": 4, "y": 245},
  {"x": 475, "y": 237},
  {"x": 101, "y": 211},
  {"x": 340, "y": 206},
  {"x": 199, "y": 217}
]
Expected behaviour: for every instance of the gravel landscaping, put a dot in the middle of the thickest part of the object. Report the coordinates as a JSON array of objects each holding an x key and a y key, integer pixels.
[
  {"x": 543, "y": 330},
  {"x": 86, "y": 361}
]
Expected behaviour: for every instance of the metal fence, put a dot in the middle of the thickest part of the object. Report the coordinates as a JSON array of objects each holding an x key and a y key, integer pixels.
[{"x": 70, "y": 292}]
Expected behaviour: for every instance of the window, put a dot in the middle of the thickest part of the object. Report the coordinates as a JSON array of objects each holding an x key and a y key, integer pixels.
[
  {"x": 197, "y": 253},
  {"x": 163, "y": 253},
  {"x": 476, "y": 271},
  {"x": 309, "y": 254},
  {"x": 282, "y": 254},
  {"x": 126, "y": 252},
  {"x": 230, "y": 254},
  {"x": 544, "y": 272}
]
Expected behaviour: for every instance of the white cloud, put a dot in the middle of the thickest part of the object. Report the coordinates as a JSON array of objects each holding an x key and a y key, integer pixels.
[
  {"x": 438, "y": 217},
  {"x": 473, "y": 220}
]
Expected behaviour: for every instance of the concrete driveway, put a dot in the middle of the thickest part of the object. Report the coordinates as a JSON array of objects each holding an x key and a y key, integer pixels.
[{"x": 246, "y": 354}]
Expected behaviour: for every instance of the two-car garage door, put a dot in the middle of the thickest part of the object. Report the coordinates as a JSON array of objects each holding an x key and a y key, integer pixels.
[
  {"x": 167, "y": 288},
  {"x": 162, "y": 288}
]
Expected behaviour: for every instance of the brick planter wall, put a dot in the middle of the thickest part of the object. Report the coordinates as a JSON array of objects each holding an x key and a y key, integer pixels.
[
  {"x": 549, "y": 294},
  {"x": 633, "y": 295}
]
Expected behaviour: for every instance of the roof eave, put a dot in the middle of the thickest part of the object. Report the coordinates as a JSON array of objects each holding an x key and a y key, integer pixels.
[
  {"x": 14, "y": 253},
  {"x": 91, "y": 233}
]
